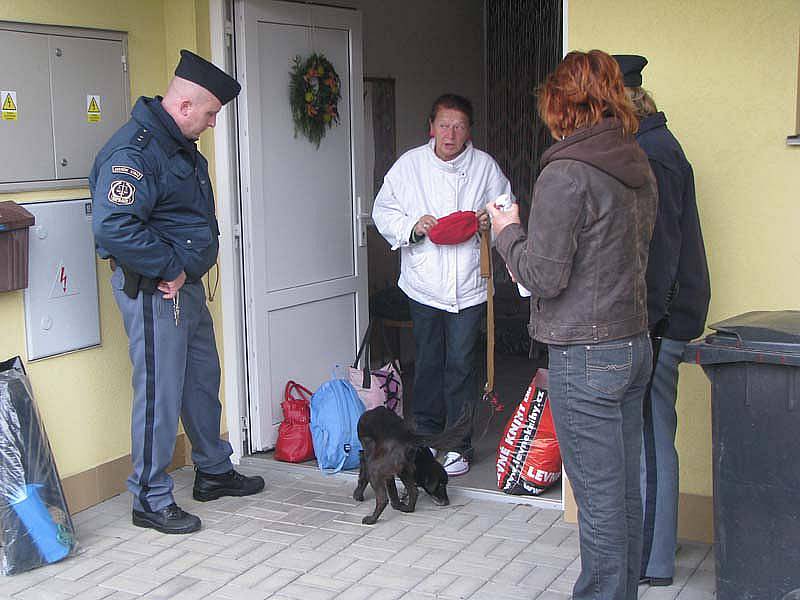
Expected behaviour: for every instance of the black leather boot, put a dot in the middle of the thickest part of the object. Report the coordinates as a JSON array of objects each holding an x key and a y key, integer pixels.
[
  {"x": 171, "y": 519},
  {"x": 210, "y": 487}
]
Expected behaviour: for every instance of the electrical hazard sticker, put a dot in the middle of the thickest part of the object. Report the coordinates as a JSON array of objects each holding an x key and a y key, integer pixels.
[
  {"x": 8, "y": 105},
  {"x": 94, "y": 111},
  {"x": 121, "y": 192},
  {"x": 64, "y": 284}
]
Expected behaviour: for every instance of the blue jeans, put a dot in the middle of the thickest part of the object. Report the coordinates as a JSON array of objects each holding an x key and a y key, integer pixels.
[
  {"x": 596, "y": 394},
  {"x": 445, "y": 366},
  {"x": 659, "y": 475}
]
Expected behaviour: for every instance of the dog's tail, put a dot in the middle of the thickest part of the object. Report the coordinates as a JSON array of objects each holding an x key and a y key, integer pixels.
[{"x": 451, "y": 438}]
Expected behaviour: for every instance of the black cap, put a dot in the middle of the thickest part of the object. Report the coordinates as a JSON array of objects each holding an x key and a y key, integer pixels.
[
  {"x": 198, "y": 70},
  {"x": 631, "y": 66}
]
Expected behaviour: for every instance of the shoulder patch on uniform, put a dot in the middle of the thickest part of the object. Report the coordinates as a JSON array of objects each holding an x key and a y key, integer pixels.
[
  {"x": 121, "y": 192},
  {"x": 125, "y": 169},
  {"x": 141, "y": 137}
]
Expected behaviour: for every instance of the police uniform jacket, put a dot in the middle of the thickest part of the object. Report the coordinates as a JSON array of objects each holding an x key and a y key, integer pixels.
[
  {"x": 153, "y": 207},
  {"x": 677, "y": 272},
  {"x": 446, "y": 277}
]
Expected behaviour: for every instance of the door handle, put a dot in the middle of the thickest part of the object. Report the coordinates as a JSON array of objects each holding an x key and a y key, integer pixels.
[{"x": 364, "y": 220}]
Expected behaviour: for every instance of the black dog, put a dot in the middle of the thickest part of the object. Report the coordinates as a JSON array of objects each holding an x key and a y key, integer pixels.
[
  {"x": 392, "y": 449},
  {"x": 431, "y": 476}
]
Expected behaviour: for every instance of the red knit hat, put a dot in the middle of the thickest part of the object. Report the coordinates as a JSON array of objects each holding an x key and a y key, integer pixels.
[{"x": 455, "y": 228}]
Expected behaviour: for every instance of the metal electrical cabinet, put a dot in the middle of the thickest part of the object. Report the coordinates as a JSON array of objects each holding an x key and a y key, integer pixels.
[
  {"x": 63, "y": 93},
  {"x": 62, "y": 310}
]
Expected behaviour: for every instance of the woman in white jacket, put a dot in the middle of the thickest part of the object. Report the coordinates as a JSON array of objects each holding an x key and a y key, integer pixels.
[{"x": 443, "y": 283}]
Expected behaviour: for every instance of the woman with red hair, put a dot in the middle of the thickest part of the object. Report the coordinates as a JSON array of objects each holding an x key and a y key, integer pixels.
[{"x": 584, "y": 258}]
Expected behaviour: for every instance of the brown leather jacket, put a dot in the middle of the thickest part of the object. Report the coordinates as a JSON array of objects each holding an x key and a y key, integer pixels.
[{"x": 585, "y": 255}]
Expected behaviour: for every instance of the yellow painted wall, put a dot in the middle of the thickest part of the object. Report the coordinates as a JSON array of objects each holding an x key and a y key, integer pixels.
[
  {"x": 84, "y": 397},
  {"x": 725, "y": 73}
]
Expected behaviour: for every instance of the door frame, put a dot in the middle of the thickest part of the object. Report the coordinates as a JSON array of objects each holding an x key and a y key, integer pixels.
[
  {"x": 226, "y": 169},
  {"x": 228, "y": 195}
]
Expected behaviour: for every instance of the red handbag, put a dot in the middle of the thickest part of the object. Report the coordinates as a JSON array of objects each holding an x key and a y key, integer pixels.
[
  {"x": 455, "y": 228},
  {"x": 294, "y": 434}
]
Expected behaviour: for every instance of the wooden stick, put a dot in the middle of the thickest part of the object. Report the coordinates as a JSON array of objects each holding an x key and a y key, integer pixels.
[{"x": 486, "y": 273}]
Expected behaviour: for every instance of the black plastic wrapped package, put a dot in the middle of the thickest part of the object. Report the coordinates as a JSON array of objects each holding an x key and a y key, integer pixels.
[{"x": 35, "y": 525}]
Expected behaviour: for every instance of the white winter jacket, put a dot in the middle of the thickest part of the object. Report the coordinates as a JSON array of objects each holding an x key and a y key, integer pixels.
[{"x": 420, "y": 183}]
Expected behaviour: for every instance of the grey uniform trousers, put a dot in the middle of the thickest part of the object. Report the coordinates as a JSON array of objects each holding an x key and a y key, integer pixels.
[
  {"x": 659, "y": 466},
  {"x": 176, "y": 374}
]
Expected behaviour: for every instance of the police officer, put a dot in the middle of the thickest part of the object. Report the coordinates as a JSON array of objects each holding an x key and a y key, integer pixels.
[
  {"x": 154, "y": 219},
  {"x": 678, "y": 293}
]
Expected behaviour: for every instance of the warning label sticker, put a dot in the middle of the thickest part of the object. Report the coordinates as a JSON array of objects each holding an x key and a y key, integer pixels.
[
  {"x": 94, "y": 110},
  {"x": 64, "y": 284},
  {"x": 8, "y": 104}
]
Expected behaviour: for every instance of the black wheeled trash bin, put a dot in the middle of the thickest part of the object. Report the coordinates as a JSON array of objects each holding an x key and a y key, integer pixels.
[{"x": 753, "y": 362}]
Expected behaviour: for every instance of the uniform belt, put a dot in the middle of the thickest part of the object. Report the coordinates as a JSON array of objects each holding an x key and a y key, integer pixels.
[
  {"x": 144, "y": 284},
  {"x": 132, "y": 281}
]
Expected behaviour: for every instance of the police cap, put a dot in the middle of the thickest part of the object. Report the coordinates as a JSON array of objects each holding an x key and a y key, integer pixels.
[
  {"x": 198, "y": 70},
  {"x": 631, "y": 66}
]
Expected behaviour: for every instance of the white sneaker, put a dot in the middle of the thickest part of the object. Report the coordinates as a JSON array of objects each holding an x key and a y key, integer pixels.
[{"x": 455, "y": 464}]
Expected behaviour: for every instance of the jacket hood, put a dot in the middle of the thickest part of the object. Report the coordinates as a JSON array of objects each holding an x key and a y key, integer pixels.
[
  {"x": 605, "y": 147},
  {"x": 651, "y": 122}
]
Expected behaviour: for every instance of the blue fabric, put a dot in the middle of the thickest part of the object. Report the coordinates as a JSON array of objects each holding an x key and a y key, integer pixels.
[
  {"x": 40, "y": 526},
  {"x": 596, "y": 394},
  {"x": 335, "y": 410},
  {"x": 659, "y": 470},
  {"x": 445, "y": 366},
  {"x": 164, "y": 220}
]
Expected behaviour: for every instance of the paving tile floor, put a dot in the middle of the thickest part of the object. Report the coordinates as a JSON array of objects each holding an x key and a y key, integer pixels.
[{"x": 302, "y": 539}]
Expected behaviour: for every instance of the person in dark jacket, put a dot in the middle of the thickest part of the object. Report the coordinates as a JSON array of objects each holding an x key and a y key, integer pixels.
[
  {"x": 678, "y": 293},
  {"x": 584, "y": 258},
  {"x": 153, "y": 217}
]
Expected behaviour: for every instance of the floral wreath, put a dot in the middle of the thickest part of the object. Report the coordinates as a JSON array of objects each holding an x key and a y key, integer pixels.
[{"x": 314, "y": 93}]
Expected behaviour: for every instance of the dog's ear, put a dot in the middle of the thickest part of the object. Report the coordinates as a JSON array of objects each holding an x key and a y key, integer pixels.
[
  {"x": 442, "y": 477},
  {"x": 435, "y": 483}
]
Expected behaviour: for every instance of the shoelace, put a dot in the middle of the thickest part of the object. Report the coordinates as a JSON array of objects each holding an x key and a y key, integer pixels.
[{"x": 232, "y": 474}]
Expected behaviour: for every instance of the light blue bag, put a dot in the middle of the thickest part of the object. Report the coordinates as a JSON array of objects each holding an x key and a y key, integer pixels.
[{"x": 335, "y": 410}]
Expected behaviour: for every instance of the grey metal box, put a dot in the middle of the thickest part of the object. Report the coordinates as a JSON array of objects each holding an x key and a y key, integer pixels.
[
  {"x": 63, "y": 95},
  {"x": 28, "y": 138},
  {"x": 85, "y": 70},
  {"x": 61, "y": 302}
]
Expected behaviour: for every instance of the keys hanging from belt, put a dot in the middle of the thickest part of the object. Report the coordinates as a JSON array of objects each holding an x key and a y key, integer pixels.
[{"x": 176, "y": 307}]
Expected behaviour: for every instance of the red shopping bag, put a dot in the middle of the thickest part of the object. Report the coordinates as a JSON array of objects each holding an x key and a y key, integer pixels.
[
  {"x": 528, "y": 457},
  {"x": 294, "y": 434}
]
